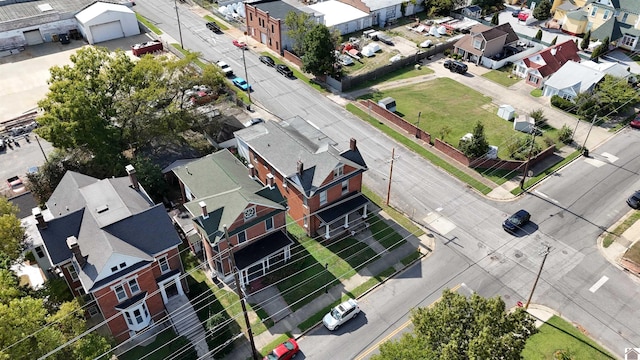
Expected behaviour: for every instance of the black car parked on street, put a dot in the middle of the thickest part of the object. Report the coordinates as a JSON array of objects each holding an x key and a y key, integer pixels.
[
  {"x": 284, "y": 70},
  {"x": 516, "y": 221}
]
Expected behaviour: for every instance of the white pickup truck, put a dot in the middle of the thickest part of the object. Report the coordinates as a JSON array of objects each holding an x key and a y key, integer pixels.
[{"x": 226, "y": 69}]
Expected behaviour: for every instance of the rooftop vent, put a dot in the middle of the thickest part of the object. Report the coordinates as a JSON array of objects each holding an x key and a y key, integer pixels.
[
  {"x": 45, "y": 7},
  {"x": 101, "y": 209}
]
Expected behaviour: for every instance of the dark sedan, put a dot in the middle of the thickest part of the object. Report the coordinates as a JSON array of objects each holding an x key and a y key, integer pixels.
[
  {"x": 516, "y": 221},
  {"x": 634, "y": 200},
  {"x": 267, "y": 60}
]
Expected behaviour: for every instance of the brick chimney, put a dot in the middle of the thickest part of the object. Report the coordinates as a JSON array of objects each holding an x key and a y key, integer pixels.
[
  {"x": 300, "y": 167},
  {"x": 37, "y": 213},
  {"x": 72, "y": 243},
  {"x": 252, "y": 171},
  {"x": 270, "y": 180},
  {"x": 352, "y": 144},
  {"x": 203, "y": 206},
  {"x": 132, "y": 176}
]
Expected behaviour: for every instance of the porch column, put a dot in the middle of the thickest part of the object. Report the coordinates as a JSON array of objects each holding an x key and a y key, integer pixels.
[
  {"x": 346, "y": 221},
  {"x": 326, "y": 231},
  {"x": 364, "y": 212},
  {"x": 267, "y": 263},
  {"x": 163, "y": 293},
  {"x": 287, "y": 253},
  {"x": 242, "y": 281},
  {"x": 179, "y": 286}
]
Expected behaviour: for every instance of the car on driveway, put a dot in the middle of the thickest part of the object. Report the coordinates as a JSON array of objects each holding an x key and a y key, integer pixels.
[
  {"x": 634, "y": 200},
  {"x": 284, "y": 70},
  {"x": 523, "y": 16},
  {"x": 341, "y": 314},
  {"x": 241, "y": 83},
  {"x": 253, "y": 121},
  {"x": 515, "y": 13},
  {"x": 456, "y": 66},
  {"x": 516, "y": 221},
  {"x": 240, "y": 44},
  {"x": 267, "y": 60},
  {"x": 285, "y": 351}
]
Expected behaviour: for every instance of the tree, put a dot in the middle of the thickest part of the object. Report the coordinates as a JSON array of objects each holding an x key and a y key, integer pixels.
[
  {"x": 601, "y": 49},
  {"x": 565, "y": 134},
  {"x": 298, "y": 25},
  {"x": 477, "y": 146},
  {"x": 542, "y": 10},
  {"x": 554, "y": 41},
  {"x": 442, "y": 7},
  {"x": 319, "y": 51},
  {"x": 488, "y": 4},
  {"x": 586, "y": 40},
  {"x": 495, "y": 20},
  {"x": 11, "y": 231},
  {"x": 611, "y": 97},
  {"x": 150, "y": 176},
  {"x": 106, "y": 103},
  {"x": 457, "y": 327},
  {"x": 539, "y": 35},
  {"x": 538, "y": 117}
]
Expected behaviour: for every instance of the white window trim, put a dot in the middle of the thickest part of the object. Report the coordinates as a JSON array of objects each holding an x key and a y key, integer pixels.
[
  {"x": 594, "y": 11},
  {"x": 166, "y": 261},
  {"x": 245, "y": 237},
  {"x": 338, "y": 171},
  {"x": 137, "y": 284},
  {"x": 345, "y": 189},
  {"x": 130, "y": 318},
  {"x": 323, "y": 202},
  {"x": 266, "y": 226},
  {"x": 71, "y": 273},
  {"x": 114, "y": 287},
  {"x": 606, "y": 14}
]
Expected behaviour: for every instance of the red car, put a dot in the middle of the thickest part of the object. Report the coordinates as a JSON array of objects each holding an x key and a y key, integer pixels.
[
  {"x": 635, "y": 123},
  {"x": 240, "y": 44},
  {"x": 285, "y": 351},
  {"x": 523, "y": 16}
]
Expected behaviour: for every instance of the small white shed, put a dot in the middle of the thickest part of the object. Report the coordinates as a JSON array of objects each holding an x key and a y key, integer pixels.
[
  {"x": 506, "y": 112},
  {"x": 105, "y": 21},
  {"x": 524, "y": 123}
]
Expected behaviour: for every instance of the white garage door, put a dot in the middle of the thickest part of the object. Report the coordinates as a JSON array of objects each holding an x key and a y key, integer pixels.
[
  {"x": 33, "y": 37},
  {"x": 108, "y": 31}
]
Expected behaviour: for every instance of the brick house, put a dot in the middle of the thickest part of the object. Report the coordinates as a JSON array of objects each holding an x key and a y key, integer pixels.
[
  {"x": 233, "y": 213},
  {"x": 265, "y": 23},
  {"x": 322, "y": 184},
  {"x": 113, "y": 246},
  {"x": 538, "y": 67}
]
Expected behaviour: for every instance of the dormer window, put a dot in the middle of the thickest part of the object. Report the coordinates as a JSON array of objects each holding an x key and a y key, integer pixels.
[
  {"x": 249, "y": 213},
  {"x": 339, "y": 171},
  {"x": 477, "y": 44},
  {"x": 122, "y": 265}
]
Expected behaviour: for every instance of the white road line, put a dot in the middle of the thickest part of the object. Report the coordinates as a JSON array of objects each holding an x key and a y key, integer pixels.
[
  {"x": 597, "y": 285},
  {"x": 546, "y": 196}
]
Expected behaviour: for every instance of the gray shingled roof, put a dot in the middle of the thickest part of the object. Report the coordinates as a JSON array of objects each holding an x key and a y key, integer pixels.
[
  {"x": 129, "y": 226},
  {"x": 222, "y": 182},
  {"x": 277, "y": 9},
  {"x": 283, "y": 144}
]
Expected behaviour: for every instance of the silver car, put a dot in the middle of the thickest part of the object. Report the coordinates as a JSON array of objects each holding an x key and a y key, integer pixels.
[{"x": 341, "y": 314}]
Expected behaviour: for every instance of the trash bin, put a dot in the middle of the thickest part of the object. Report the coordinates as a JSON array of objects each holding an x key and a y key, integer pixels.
[{"x": 585, "y": 152}]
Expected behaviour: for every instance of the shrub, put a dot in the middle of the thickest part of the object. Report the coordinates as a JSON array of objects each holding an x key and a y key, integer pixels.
[
  {"x": 563, "y": 104},
  {"x": 447, "y": 52},
  {"x": 548, "y": 141},
  {"x": 565, "y": 134}
]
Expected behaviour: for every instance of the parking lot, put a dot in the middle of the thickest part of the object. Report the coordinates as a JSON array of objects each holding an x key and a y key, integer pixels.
[{"x": 24, "y": 82}]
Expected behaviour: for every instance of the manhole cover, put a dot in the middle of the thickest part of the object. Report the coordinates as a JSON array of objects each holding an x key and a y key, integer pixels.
[
  {"x": 564, "y": 252},
  {"x": 518, "y": 253}
]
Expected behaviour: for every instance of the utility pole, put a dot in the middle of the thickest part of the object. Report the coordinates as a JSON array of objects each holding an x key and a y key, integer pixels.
[
  {"x": 418, "y": 123},
  {"x": 246, "y": 75},
  {"x": 254, "y": 352},
  {"x": 535, "y": 283},
  {"x": 526, "y": 165},
  {"x": 175, "y": 3},
  {"x": 393, "y": 151},
  {"x": 588, "y": 133},
  {"x": 42, "y": 150}
]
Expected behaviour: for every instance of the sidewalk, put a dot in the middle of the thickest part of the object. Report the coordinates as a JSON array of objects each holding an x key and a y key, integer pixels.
[
  {"x": 614, "y": 252},
  {"x": 425, "y": 243}
]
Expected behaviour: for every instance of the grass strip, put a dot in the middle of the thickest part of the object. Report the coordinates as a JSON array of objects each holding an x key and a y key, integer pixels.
[
  {"x": 297, "y": 73},
  {"x": 533, "y": 180},
  {"x": 417, "y": 148},
  {"x": 397, "y": 216},
  {"x": 277, "y": 341},
  {"x": 148, "y": 24},
  {"x": 620, "y": 229},
  {"x": 410, "y": 258},
  {"x": 220, "y": 25}
]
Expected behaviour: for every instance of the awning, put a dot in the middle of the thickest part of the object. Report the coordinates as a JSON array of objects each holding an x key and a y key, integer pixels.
[
  {"x": 261, "y": 249},
  {"x": 332, "y": 213}
]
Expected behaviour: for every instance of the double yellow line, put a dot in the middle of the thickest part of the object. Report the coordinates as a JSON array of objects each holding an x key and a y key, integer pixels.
[{"x": 396, "y": 331}]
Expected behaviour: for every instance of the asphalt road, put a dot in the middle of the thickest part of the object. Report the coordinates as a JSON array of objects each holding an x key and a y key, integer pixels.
[
  {"x": 569, "y": 211},
  {"x": 16, "y": 161}
]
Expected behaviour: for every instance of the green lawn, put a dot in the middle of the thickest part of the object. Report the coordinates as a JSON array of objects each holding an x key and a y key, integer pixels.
[
  {"x": 383, "y": 233},
  {"x": 166, "y": 344},
  {"x": 542, "y": 175},
  {"x": 397, "y": 216},
  {"x": 559, "y": 335},
  {"x": 148, "y": 24},
  {"x": 420, "y": 150},
  {"x": 404, "y": 73},
  {"x": 502, "y": 76},
  {"x": 315, "y": 266}
]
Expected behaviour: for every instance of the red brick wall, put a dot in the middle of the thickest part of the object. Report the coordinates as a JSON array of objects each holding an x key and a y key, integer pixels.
[
  {"x": 451, "y": 151},
  {"x": 259, "y": 22},
  {"x": 630, "y": 265},
  {"x": 358, "y": 4},
  {"x": 292, "y": 58},
  {"x": 397, "y": 120}
]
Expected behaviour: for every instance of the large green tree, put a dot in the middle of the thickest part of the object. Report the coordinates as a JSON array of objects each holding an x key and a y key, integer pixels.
[
  {"x": 105, "y": 102},
  {"x": 319, "y": 51},
  {"x": 542, "y": 11},
  {"x": 477, "y": 146},
  {"x": 442, "y": 7},
  {"x": 298, "y": 25},
  {"x": 462, "y": 328},
  {"x": 11, "y": 231},
  {"x": 612, "y": 96}
]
